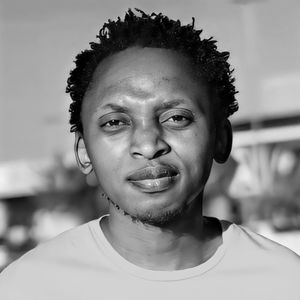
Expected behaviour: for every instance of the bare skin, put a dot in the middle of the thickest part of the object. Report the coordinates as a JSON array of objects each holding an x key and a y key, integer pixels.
[
  {"x": 179, "y": 246},
  {"x": 150, "y": 138}
]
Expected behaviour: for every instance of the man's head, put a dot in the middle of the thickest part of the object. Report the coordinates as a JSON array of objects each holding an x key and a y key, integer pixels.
[
  {"x": 150, "y": 107},
  {"x": 155, "y": 31}
]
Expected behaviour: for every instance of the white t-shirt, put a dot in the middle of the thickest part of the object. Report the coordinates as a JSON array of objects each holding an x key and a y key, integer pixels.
[{"x": 81, "y": 264}]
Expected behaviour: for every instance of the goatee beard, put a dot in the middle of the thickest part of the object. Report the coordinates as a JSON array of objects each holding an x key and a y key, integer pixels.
[{"x": 161, "y": 220}]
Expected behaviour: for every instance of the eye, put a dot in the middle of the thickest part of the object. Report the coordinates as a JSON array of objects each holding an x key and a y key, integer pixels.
[
  {"x": 113, "y": 122},
  {"x": 114, "y": 125},
  {"x": 177, "y": 119}
]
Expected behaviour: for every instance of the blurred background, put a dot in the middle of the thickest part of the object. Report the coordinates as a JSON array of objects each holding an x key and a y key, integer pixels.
[{"x": 41, "y": 191}]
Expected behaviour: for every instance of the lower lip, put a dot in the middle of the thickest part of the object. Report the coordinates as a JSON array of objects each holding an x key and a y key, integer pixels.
[{"x": 154, "y": 185}]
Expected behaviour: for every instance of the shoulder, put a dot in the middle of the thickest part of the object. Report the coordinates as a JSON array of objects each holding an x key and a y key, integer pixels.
[
  {"x": 57, "y": 267},
  {"x": 64, "y": 243},
  {"x": 260, "y": 250},
  {"x": 64, "y": 249}
]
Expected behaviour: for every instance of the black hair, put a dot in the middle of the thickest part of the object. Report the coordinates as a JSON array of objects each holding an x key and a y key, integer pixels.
[{"x": 158, "y": 31}]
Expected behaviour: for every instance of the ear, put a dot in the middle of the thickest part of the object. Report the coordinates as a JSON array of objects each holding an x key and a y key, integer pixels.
[
  {"x": 82, "y": 157},
  {"x": 223, "y": 142}
]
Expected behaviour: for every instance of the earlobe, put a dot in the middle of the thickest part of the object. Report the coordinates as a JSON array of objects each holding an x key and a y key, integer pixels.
[
  {"x": 223, "y": 142},
  {"x": 82, "y": 157}
]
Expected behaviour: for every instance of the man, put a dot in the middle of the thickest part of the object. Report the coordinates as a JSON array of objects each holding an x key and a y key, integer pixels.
[{"x": 150, "y": 112}]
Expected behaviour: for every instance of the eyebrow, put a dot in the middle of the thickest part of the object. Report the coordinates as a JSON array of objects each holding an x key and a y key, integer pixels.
[
  {"x": 164, "y": 105},
  {"x": 170, "y": 104},
  {"x": 116, "y": 107}
]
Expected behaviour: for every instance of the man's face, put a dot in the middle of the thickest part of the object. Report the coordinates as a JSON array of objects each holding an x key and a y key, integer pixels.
[{"x": 149, "y": 132}]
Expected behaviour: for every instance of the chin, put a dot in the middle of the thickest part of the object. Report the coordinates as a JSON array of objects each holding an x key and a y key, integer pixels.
[
  {"x": 161, "y": 219},
  {"x": 156, "y": 217}
]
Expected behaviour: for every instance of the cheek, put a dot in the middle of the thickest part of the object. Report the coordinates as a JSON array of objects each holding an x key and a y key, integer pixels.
[
  {"x": 194, "y": 144},
  {"x": 106, "y": 159},
  {"x": 196, "y": 153}
]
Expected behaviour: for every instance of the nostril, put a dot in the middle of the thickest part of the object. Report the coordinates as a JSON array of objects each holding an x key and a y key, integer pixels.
[
  {"x": 160, "y": 153},
  {"x": 136, "y": 154},
  {"x": 150, "y": 151},
  {"x": 148, "y": 144}
]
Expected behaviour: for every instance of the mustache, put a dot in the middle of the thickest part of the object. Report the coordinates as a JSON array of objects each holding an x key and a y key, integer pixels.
[{"x": 153, "y": 172}]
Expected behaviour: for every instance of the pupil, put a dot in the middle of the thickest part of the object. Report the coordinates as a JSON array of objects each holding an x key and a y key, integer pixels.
[{"x": 177, "y": 118}]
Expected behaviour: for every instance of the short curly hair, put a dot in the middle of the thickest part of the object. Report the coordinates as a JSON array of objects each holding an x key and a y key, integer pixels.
[{"x": 157, "y": 31}]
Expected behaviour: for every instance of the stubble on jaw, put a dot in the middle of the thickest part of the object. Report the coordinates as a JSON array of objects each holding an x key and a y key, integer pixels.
[{"x": 161, "y": 220}]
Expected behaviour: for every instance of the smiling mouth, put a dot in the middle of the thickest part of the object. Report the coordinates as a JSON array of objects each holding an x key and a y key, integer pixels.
[{"x": 154, "y": 179}]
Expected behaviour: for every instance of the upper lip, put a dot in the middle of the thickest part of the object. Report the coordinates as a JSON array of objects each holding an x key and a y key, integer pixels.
[{"x": 153, "y": 172}]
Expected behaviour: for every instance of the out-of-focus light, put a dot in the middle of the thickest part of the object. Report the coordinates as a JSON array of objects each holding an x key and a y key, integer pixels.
[
  {"x": 22, "y": 178},
  {"x": 17, "y": 235},
  {"x": 48, "y": 224},
  {"x": 268, "y": 135},
  {"x": 286, "y": 163}
]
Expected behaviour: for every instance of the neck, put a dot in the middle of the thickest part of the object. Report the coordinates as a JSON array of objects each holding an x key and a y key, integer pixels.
[{"x": 185, "y": 243}]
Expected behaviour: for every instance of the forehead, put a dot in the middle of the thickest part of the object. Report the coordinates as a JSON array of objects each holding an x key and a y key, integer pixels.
[{"x": 144, "y": 73}]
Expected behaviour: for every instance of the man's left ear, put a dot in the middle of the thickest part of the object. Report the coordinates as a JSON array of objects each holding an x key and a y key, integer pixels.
[{"x": 223, "y": 142}]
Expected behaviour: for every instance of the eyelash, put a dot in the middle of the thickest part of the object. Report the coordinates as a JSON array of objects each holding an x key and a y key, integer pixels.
[
  {"x": 111, "y": 121},
  {"x": 109, "y": 126},
  {"x": 178, "y": 116},
  {"x": 181, "y": 119}
]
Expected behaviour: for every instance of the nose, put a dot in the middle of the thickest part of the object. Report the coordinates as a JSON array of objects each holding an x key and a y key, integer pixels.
[{"x": 148, "y": 143}]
